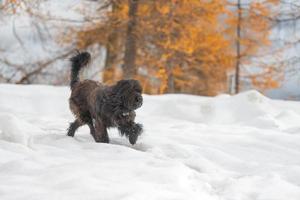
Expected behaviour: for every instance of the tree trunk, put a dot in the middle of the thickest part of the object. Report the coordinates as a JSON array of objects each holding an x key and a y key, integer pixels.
[
  {"x": 171, "y": 85},
  {"x": 113, "y": 52},
  {"x": 238, "y": 48},
  {"x": 112, "y": 56},
  {"x": 129, "y": 67}
]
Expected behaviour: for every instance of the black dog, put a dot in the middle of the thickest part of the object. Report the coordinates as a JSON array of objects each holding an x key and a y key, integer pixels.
[{"x": 102, "y": 107}]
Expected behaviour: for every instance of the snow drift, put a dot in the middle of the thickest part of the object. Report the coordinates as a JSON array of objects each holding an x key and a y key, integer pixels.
[{"x": 241, "y": 147}]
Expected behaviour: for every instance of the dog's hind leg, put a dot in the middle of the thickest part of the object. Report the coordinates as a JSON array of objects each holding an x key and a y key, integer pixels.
[
  {"x": 73, "y": 127},
  {"x": 101, "y": 134},
  {"x": 92, "y": 130},
  {"x": 87, "y": 119}
]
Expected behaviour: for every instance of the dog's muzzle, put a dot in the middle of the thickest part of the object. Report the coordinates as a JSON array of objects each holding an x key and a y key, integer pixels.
[{"x": 139, "y": 102}]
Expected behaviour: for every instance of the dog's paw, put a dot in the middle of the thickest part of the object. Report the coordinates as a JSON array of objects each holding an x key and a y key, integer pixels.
[
  {"x": 137, "y": 130},
  {"x": 133, "y": 138},
  {"x": 131, "y": 131}
]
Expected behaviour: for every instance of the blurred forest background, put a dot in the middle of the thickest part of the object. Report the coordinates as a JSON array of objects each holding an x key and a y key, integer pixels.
[{"x": 202, "y": 47}]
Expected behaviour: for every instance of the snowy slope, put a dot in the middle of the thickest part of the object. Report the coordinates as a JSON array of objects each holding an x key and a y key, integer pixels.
[{"x": 244, "y": 147}]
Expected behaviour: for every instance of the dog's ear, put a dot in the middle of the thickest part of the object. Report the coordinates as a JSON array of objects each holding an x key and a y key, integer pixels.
[
  {"x": 121, "y": 87},
  {"x": 108, "y": 103},
  {"x": 125, "y": 86},
  {"x": 137, "y": 86}
]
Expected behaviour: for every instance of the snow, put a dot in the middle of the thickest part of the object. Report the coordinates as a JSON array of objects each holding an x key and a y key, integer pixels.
[{"x": 243, "y": 147}]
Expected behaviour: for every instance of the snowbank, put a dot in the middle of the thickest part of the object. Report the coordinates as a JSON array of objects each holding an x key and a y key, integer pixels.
[{"x": 240, "y": 147}]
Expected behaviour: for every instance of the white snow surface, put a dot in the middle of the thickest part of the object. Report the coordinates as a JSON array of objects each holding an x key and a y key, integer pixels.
[{"x": 243, "y": 147}]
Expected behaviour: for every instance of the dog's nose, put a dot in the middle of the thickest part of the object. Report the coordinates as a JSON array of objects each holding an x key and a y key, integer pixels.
[{"x": 138, "y": 99}]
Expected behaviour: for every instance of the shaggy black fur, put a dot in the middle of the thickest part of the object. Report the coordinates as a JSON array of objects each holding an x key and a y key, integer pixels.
[
  {"x": 78, "y": 61},
  {"x": 101, "y": 107}
]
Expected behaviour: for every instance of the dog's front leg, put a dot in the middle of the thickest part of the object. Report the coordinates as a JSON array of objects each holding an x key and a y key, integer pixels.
[
  {"x": 101, "y": 132},
  {"x": 131, "y": 130}
]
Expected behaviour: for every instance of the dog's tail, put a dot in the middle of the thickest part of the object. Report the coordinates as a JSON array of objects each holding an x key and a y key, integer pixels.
[{"x": 78, "y": 62}]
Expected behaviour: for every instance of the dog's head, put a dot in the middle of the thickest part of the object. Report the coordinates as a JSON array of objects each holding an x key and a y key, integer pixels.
[{"x": 129, "y": 93}]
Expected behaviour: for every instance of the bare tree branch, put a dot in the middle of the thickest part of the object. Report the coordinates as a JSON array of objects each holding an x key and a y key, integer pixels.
[
  {"x": 17, "y": 36},
  {"x": 41, "y": 67}
]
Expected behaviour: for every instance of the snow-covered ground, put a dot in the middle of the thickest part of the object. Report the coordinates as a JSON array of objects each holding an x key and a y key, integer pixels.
[{"x": 244, "y": 147}]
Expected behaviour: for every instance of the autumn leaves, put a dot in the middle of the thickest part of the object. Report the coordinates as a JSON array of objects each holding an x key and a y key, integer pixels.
[{"x": 186, "y": 46}]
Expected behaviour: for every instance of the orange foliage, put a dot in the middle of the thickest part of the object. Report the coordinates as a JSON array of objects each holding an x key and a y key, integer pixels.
[
  {"x": 13, "y": 6},
  {"x": 185, "y": 46},
  {"x": 181, "y": 46}
]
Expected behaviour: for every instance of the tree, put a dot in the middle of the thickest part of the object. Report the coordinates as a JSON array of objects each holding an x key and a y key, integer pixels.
[
  {"x": 288, "y": 37},
  {"x": 130, "y": 44},
  {"x": 19, "y": 69},
  {"x": 186, "y": 46},
  {"x": 177, "y": 45},
  {"x": 249, "y": 25},
  {"x": 183, "y": 46}
]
